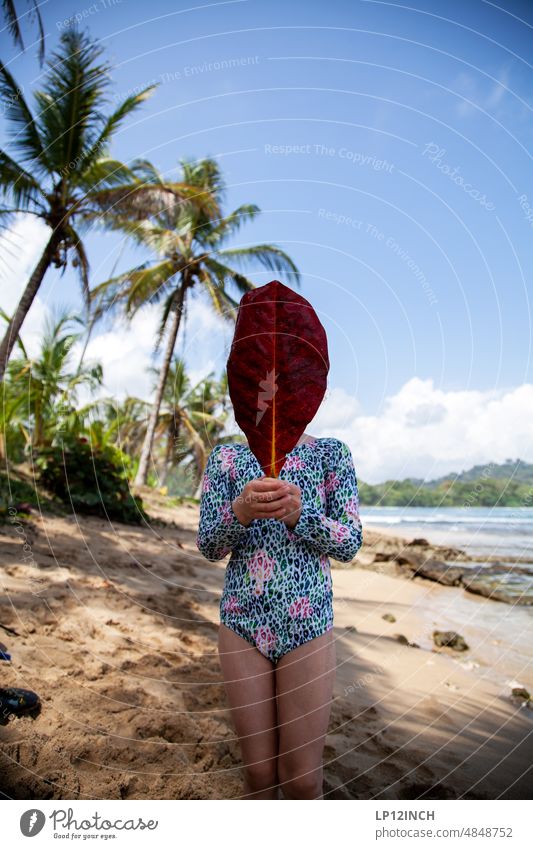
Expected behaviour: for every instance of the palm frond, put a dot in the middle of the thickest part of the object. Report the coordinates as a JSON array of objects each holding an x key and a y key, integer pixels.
[
  {"x": 134, "y": 288},
  {"x": 104, "y": 172},
  {"x": 18, "y": 184},
  {"x": 270, "y": 256},
  {"x": 23, "y": 130},
  {"x": 111, "y": 125},
  {"x": 228, "y": 226},
  {"x": 222, "y": 302},
  {"x": 71, "y": 99},
  {"x": 224, "y": 274}
]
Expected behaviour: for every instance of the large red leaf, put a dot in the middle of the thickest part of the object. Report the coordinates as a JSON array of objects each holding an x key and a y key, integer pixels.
[{"x": 277, "y": 370}]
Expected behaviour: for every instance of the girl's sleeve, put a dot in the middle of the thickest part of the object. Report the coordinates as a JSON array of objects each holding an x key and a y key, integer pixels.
[
  {"x": 337, "y": 532},
  {"x": 219, "y": 530}
]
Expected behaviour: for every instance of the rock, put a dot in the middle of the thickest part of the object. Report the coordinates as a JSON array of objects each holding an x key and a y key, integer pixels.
[
  {"x": 500, "y": 582},
  {"x": 405, "y": 642},
  {"x": 521, "y": 693},
  {"x": 443, "y": 573},
  {"x": 451, "y": 639},
  {"x": 350, "y": 628},
  {"x": 418, "y": 541},
  {"x": 389, "y": 617},
  {"x": 410, "y": 558}
]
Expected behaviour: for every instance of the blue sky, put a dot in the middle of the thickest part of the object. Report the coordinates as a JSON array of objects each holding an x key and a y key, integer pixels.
[{"x": 389, "y": 148}]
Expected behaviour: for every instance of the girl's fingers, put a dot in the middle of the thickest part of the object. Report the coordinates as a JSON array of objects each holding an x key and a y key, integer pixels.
[
  {"x": 278, "y": 509},
  {"x": 270, "y": 507}
]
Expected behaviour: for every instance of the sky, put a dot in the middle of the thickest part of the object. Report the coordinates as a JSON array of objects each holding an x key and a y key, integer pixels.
[{"x": 389, "y": 148}]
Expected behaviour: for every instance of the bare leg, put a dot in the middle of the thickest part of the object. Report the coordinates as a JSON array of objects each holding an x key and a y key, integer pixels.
[
  {"x": 304, "y": 680},
  {"x": 251, "y": 689}
]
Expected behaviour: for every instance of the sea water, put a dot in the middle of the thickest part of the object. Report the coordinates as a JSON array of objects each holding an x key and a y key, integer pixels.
[{"x": 499, "y": 531}]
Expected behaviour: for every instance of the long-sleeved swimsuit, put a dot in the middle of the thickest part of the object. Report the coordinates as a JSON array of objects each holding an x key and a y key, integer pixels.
[{"x": 277, "y": 590}]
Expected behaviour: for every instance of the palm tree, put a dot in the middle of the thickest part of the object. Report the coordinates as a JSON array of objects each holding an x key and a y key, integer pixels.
[
  {"x": 49, "y": 384},
  {"x": 124, "y": 422},
  {"x": 188, "y": 244},
  {"x": 64, "y": 174},
  {"x": 187, "y": 414},
  {"x": 13, "y": 24}
]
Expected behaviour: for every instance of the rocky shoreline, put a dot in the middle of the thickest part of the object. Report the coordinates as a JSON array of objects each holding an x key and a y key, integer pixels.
[{"x": 504, "y": 581}]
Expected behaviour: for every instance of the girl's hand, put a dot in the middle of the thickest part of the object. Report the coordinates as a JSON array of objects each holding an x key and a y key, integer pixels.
[{"x": 268, "y": 498}]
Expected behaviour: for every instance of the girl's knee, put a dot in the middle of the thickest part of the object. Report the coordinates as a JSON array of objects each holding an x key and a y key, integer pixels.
[
  {"x": 261, "y": 776},
  {"x": 300, "y": 781}
]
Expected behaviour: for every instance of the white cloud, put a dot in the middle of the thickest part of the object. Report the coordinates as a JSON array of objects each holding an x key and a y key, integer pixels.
[
  {"x": 485, "y": 93},
  {"x": 20, "y": 249},
  {"x": 426, "y": 432}
]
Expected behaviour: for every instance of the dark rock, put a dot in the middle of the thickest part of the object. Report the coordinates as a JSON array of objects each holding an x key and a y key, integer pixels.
[
  {"x": 451, "y": 639},
  {"x": 410, "y": 558},
  {"x": 405, "y": 642},
  {"x": 521, "y": 693},
  {"x": 500, "y": 582},
  {"x": 443, "y": 573},
  {"x": 418, "y": 541},
  {"x": 389, "y": 617}
]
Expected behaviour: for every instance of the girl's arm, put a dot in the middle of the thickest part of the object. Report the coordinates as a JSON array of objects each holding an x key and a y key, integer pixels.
[
  {"x": 219, "y": 530},
  {"x": 337, "y": 532}
]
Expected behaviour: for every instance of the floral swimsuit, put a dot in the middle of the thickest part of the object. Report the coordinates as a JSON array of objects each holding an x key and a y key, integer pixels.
[{"x": 277, "y": 590}]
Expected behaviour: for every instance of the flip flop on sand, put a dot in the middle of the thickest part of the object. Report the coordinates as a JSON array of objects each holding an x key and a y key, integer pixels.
[{"x": 14, "y": 700}]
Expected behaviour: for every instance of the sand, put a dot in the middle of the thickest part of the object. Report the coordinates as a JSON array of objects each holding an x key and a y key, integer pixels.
[{"x": 115, "y": 627}]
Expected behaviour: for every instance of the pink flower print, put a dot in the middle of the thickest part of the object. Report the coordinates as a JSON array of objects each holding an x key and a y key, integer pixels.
[
  {"x": 261, "y": 569},
  {"x": 332, "y": 482},
  {"x": 206, "y": 483},
  {"x": 352, "y": 507},
  {"x": 231, "y": 605},
  {"x": 300, "y": 608},
  {"x": 292, "y": 536},
  {"x": 337, "y": 531},
  {"x": 326, "y": 569},
  {"x": 265, "y": 639},
  {"x": 227, "y": 460},
  {"x": 294, "y": 463},
  {"x": 321, "y": 489},
  {"x": 226, "y": 513}
]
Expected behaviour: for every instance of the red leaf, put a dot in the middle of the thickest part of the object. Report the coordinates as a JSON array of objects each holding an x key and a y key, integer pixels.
[{"x": 277, "y": 370}]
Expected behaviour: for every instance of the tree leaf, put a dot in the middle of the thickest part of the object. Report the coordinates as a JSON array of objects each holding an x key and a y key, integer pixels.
[{"x": 277, "y": 370}]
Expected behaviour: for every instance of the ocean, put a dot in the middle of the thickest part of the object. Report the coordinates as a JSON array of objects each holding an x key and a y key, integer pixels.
[{"x": 499, "y": 531}]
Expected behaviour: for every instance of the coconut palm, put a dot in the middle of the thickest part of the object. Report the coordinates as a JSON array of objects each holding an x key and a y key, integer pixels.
[
  {"x": 189, "y": 250},
  {"x": 190, "y": 419},
  {"x": 63, "y": 173},
  {"x": 49, "y": 384},
  {"x": 12, "y": 18},
  {"x": 124, "y": 423}
]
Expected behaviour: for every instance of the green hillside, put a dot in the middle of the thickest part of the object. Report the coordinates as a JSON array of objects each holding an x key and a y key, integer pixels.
[{"x": 508, "y": 484}]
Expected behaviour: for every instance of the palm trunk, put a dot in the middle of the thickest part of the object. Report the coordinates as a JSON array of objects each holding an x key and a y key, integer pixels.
[
  {"x": 13, "y": 328},
  {"x": 142, "y": 472},
  {"x": 172, "y": 435}
]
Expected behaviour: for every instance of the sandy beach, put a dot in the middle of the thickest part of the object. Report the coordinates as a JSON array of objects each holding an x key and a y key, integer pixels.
[{"x": 115, "y": 626}]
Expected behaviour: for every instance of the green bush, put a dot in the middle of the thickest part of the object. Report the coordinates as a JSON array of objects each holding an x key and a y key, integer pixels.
[{"x": 91, "y": 480}]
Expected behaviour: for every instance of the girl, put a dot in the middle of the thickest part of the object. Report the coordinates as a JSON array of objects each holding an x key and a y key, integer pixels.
[{"x": 276, "y": 646}]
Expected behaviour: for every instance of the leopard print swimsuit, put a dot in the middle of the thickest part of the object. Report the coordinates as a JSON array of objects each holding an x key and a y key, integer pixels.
[{"x": 277, "y": 589}]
